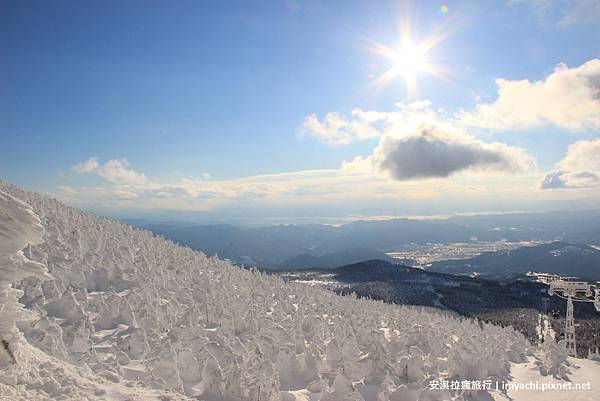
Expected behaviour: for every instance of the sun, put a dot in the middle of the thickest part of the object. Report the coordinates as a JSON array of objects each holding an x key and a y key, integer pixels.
[{"x": 408, "y": 60}]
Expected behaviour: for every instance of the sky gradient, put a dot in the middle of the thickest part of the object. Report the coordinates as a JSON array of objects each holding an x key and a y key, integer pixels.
[{"x": 277, "y": 110}]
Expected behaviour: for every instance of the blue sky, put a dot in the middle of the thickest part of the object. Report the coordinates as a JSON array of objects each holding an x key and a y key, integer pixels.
[{"x": 205, "y": 98}]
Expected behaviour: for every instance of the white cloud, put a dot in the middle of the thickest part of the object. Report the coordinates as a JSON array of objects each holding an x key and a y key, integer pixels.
[
  {"x": 433, "y": 151},
  {"x": 116, "y": 171},
  {"x": 564, "y": 179},
  {"x": 88, "y": 166},
  {"x": 123, "y": 192},
  {"x": 582, "y": 155},
  {"x": 132, "y": 189},
  {"x": 579, "y": 169},
  {"x": 201, "y": 194},
  {"x": 360, "y": 165},
  {"x": 569, "y": 98},
  {"x": 336, "y": 130}
]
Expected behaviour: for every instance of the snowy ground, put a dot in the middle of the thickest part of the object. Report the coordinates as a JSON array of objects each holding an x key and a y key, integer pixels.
[
  {"x": 92, "y": 309},
  {"x": 582, "y": 372}
]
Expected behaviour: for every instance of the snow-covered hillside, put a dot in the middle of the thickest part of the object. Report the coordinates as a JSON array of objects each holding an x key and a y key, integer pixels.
[{"x": 118, "y": 313}]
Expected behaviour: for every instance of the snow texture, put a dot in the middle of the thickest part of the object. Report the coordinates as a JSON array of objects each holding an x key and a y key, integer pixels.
[{"x": 111, "y": 312}]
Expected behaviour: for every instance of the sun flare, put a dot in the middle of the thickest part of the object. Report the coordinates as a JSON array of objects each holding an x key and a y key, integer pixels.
[{"x": 407, "y": 60}]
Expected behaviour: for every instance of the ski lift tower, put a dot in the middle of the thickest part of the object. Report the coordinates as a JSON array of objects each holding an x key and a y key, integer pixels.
[{"x": 578, "y": 291}]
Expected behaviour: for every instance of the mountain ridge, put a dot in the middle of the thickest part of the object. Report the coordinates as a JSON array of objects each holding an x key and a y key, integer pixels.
[{"x": 269, "y": 246}]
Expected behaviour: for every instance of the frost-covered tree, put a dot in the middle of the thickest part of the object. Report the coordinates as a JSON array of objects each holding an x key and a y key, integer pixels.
[
  {"x": 554, "y": 359},
  {"x": 342, "y": 389},
  {"x": 212, "y": 379}
]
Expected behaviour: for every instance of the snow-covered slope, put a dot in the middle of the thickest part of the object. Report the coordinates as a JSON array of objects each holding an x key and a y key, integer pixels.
[{"x": 123, "y": 314}]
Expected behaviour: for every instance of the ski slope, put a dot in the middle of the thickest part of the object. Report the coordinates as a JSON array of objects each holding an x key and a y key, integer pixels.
[{"x": 106, "y": 311}]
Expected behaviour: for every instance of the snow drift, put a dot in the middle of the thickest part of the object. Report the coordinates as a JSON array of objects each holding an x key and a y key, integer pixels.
[{"x": 123, "y": 314}]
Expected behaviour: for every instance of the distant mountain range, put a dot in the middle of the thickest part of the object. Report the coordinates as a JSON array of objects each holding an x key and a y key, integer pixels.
[
  {"x": 315, "y": 245},
  {"x": 331, "y": 260},
  {"x": 557, "y": 257},
  {"x": 310, "y": 245}
]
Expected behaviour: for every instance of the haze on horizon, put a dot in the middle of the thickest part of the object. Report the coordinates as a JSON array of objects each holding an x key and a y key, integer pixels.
[{"x": 302, "y": 111}]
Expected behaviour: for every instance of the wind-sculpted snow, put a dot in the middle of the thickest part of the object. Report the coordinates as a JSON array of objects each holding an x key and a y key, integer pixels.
[{"x": 129, "y": 308}]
